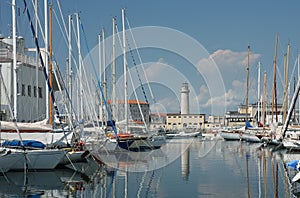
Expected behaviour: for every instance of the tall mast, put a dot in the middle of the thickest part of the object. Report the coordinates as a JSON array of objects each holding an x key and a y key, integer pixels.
[
  {"x": 258, "y": 93},
  {"x": 70, "y": 65},
  {"x": 264, "y": 100},
  {"x": 125, "y": 72},
  {"x": 113, "y": 69},
  {"x": 46, "y": 54},
  {"x": 100, "y": 76},
  {"x": 247, "y": 82},
  {"x": 80, "y": 69},
  {"x": 274, "y": 91},
  {"x": 104, "y": 69},
  {"x": 37, "y": 60},
  {"x": 285, "y": 88},
  {"x": 298, "y": 78},
  {"x": 286, "y": 77},
  {"x": 295, "y": 118},
  {"x": 50, "y": 68},
  {"x": 14, "y": 57}
]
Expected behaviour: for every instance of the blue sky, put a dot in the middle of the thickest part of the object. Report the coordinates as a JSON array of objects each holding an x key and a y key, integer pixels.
[{"x": 224, "y": 28}]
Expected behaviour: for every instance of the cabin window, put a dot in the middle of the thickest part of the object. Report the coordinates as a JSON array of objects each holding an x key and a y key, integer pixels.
[
  {"x": 34, "y": 91},
  {"x": 29, "y": 90},
  {"x": 23, "y": 90},
  {"x": 40, "y": 92}
]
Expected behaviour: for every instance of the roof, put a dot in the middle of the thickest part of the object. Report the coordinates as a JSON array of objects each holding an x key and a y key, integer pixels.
[{"x": 129, "y": 102}]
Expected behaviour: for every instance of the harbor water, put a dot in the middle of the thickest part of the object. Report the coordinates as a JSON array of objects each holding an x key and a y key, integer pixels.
[{"x": 201, "y": 168}]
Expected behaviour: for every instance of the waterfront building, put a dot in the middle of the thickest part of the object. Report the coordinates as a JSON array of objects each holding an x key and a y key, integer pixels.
[
  {"x": 158, "y": 121},
  {"x": 238, "y": 118},
  {"x": 177, "y": 121},
  {"x": 215, "y": 122},
  {"x": 184, "y": 120},
  {"x": 134, "y": 111},
  {"x": 31, "y": 84}
]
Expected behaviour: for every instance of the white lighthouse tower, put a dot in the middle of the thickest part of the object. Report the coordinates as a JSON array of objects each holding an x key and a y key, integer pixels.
[{"x": 185, "y": 98}]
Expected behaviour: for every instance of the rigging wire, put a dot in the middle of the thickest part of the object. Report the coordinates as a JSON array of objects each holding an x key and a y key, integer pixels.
[
  {"x": 138, "y": 75},
  {"x": 98, "y": 82}
]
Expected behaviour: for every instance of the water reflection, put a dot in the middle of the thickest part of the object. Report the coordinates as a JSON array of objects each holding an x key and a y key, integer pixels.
[{"x": 204, "y": 169}]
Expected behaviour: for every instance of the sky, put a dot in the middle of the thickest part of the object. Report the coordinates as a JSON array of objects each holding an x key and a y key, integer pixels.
[{"x": 222, "y": 29}]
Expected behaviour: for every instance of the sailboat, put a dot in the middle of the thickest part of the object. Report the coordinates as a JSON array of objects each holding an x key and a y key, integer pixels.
[
  {"x": 33, "y": 157},
  {"x": 136, "y": 142}
]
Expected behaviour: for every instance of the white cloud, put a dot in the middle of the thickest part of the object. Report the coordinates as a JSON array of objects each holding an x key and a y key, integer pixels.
[{"x": 232, "y": 67}]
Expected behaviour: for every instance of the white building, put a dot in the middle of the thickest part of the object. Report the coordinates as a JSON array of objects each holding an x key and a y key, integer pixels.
[{"x": 31, "y": 88}]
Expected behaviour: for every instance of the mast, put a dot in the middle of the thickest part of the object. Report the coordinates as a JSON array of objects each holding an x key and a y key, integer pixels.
[
  {"x": 37, "y": 60},
  {"x": 104, "y": 70},
  {"x": 113, "y": 69},
  {"x": 80, "y": 69},
  {"x": 264, "y": 101},
  {"x": 100, "y": 76},
  {"x": 286, "y": 72},
  {"x": 14, "y": 58},
  {"x": 247, "y": 82},
  {"x": 285, "y": 88},
  {"x": 274, "y": 91},
  {"x": 70, "y": 64},
  {"x": 125, "y": 72},
  {"x": 50, "y": 68},
  {"x": 258, "y": 93},
  {"x": 46, "y": 54},
  {"x": 291, "y": 107},
  {"x": 298, "y": 78},
  {"x": 295, "y": 118}
]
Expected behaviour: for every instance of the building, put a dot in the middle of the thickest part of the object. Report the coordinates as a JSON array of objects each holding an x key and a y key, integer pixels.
[
  {"x": 185, "y": 120},
  {"x": 158, "y": 121},
  {"x": 31, "y": 84},
  {"x": 134, "y": 111},
  {"x": 176, "y": 121},
  {"x": 238, "y": 118},
  {"x": 215, "y": 122}
]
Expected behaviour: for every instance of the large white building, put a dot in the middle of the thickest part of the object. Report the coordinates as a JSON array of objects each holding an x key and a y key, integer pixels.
[{"x": 31, "y": 84}]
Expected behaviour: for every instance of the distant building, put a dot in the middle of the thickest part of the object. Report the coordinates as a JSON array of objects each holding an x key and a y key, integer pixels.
[
  {"x": 176, "y": 121},
  {"x": 238, "y": 118},
  {"x": 215, "y": 122},
  {"x": 158, "y": 121},
  {"x": 133, "y": 111}
]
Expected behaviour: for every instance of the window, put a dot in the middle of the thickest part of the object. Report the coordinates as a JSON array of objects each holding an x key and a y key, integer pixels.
[
  {"x": 40, "y": 92},
  {"x": 29, "y": 90},
  {"x": 23, "y": 90},
  {"x": 34, "y": 91}
]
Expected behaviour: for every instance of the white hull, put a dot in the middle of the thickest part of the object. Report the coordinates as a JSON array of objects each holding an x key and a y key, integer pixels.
[
  {"x": 249, "y": 137},
  {"x": 230, "y": 135},
  {"x": 183, "y": 135},
  {"x": 47, "y": 138},
  {"x": 38, "y": 159}
]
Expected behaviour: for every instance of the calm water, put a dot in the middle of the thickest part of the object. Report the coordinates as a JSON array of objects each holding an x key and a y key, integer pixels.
[{"x": 198, "y": 169}]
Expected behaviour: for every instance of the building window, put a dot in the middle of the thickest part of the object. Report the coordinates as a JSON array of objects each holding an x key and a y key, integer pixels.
[
  {"x": 34, "y": 91},
  {"x": 29, "y": 90},
  {"x": 40, "y": 92},
  {"x": 23, "y": 90}
]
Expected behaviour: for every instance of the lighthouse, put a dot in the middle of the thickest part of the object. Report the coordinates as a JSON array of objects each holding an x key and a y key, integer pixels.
[{"x": 185, "y": 98}]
